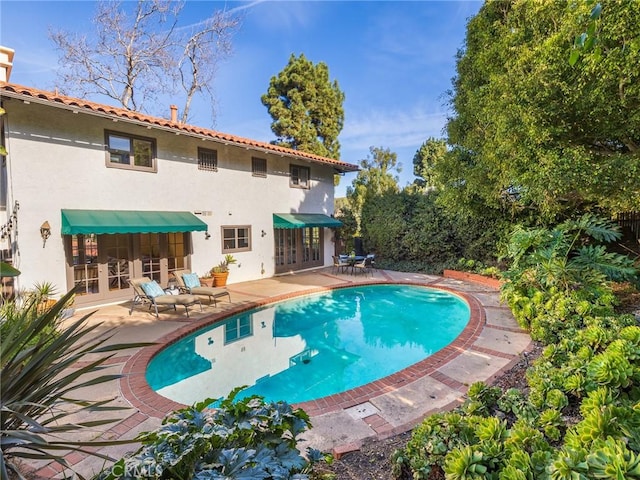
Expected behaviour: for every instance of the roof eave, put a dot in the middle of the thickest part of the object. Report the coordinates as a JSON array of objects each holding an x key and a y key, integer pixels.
[{"x": 105, "y": 111}]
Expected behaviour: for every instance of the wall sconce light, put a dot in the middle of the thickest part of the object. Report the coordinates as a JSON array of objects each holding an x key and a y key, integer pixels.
[
  {"x": 45, "y": 232},
  {"x": 207, "y": 235},
  {"x": 264, "y": 234}
]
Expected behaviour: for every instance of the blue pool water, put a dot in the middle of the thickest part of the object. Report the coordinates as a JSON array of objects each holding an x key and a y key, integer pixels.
[{"x": 310, "y": 347}]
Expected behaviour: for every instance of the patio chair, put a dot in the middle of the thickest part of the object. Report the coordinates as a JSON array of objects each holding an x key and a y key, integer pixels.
[
  {"x": 372, "y": 256},
  {"x": 364, "y": 266},
  {"x": 339, "y": 264},
  {"x": 190, "y": 283},
  {"x": 148, "y": 291}
]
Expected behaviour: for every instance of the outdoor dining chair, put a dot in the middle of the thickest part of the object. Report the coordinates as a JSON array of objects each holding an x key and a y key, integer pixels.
[
  {"x": 364, "y": 266},
  {"x": 339, "y": 265}
]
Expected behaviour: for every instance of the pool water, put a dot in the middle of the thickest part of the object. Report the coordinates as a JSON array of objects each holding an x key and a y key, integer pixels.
[{"x": 312, "y": 346}]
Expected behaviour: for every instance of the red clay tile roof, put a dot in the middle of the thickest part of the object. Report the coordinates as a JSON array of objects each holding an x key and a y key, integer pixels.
[{"x": 53, "y": 98}]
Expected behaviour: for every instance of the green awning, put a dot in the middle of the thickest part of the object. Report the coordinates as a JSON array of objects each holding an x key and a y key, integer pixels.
[
  {"x": 301, "y": 220},
  {"x": 76, "y": 222}
]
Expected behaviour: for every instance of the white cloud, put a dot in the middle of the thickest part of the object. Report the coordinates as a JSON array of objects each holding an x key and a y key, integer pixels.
[{"x": 391, "y": 129}]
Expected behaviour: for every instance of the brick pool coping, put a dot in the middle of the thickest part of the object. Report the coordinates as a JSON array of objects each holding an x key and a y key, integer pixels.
[{"x": 139, "y": 394}]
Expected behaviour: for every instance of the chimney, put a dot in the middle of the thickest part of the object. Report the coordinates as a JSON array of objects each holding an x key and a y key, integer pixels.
[
  {"x": 174, "y": 113},
  {"x": 6, "y": 62}
]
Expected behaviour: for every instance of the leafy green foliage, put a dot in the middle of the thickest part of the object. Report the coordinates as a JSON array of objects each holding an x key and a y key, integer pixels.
[
  {"x": 409, "y": 231},
  {"x": 38, "y": 418},
  {"x": 531, "y": 134},
  {"x": 561, "y": 261},
  {"x": 306, "y": 108},
  {"x": 428, "y": 155},
  {"x": 590, "y": 365},
  {"x": 244, "y": 439}
]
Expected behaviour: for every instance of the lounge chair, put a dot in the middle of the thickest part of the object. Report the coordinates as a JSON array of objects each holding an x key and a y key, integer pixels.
[
  {"x": 148, "y": 291},
  {"x": 190, "y": 283},
  {"x": 339, "y": 264}
]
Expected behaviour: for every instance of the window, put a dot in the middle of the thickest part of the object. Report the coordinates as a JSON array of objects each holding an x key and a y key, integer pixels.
[
  {"x": 130, "y": 152},
  {"x": 299, "y": 176},
  {"x": 207, "y": 160},
  {"x": 238, "y": 328},
  {"x": 236, "y": 239},
  {"x": 259, "y": 167}
]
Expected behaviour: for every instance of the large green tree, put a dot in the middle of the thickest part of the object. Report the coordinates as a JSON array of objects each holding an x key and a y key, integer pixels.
[
  {"x": 306, "y": 108},
  {"x": 534, "y": 133}
]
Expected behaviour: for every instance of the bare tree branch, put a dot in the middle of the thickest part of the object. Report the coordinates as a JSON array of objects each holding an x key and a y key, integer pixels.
[{"x": 135, "y": 57}]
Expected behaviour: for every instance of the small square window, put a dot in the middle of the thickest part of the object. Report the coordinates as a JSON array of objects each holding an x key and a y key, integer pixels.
[
  {"x": 299, "y": 176},
  {"x": 130, "y": 152},
  {"x": 259, "y": 167},
  {"x": 207, "y": 160},
  {"x": 236, "y": 239}
]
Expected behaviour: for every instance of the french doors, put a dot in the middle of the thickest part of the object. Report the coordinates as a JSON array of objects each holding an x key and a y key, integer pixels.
[
  {"x": 298, "y": 248},
  {"x": 101, "y": 265}
]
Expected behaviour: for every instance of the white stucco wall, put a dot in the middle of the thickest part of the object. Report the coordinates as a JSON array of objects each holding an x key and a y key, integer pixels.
[{"x": 57, "y": 161}]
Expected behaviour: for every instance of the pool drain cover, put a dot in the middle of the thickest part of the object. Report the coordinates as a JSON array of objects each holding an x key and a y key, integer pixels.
[{"x": 363, "y": 410}]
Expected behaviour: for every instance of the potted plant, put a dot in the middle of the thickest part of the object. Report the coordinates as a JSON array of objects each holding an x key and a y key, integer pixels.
[{"x": 221, "y": 271}]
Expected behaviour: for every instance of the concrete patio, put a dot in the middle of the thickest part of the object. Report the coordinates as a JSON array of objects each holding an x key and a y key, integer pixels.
[{"x": 490, "y": 344}]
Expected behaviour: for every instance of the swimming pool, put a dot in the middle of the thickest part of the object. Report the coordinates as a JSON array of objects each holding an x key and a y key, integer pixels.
[{"x": 310, "y": 347}]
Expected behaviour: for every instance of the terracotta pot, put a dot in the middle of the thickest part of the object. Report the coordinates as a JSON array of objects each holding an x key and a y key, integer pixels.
[
  {"x": 206, "y": 281},
  {"x": 220, "y": 279},
  {"x": 45, "y": 306}
]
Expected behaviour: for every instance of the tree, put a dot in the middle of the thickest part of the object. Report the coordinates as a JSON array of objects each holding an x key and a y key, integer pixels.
[
  {"x": 202, "y": 52},
  {"x": 430, "y": 152},
  {"x": 535, "y": 134},
  {"x": 137, "y": 56},
  {"x": 376, "y": 177},
  {"x": 306, "y": 108}
]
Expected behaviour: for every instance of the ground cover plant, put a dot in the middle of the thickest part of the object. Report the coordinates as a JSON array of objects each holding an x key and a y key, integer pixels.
[
  {"x": 238, "y": 439},
  {"x": 579, "y": 417}
]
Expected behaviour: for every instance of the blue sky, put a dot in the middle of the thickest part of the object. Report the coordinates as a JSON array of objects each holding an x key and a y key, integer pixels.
[{"x": 393, "y": 60}]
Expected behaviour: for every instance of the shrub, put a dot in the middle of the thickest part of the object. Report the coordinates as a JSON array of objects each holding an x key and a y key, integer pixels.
[{"x": 244, "y": 439}]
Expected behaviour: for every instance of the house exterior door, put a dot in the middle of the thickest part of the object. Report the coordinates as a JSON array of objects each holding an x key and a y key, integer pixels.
[
  {"x": 101, "y": 265},
  {"x": 298, "y": 248}
]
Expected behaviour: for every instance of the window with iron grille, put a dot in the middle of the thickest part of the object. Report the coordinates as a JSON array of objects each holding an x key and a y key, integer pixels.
[
  {"x": 259, "y": 167},
  {"x": 207, "y": 160},
  {"x": 299, "y": 176}
]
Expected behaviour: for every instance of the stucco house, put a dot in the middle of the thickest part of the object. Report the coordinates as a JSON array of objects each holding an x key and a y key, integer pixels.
[{"x": 93, "y": 195}]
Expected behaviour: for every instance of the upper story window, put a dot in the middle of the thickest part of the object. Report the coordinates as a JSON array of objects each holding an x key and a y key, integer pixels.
[
  {"x": 259, "y": 167},
  {"x": 299, "y": 176},
  {"x": 131, "y": 152},
  {"x": 207, "y": 159},
  {"x": 236, "y": 239}
]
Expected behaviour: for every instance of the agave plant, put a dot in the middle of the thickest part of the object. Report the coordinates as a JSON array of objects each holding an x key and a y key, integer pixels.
[{"x": 37, "y": 384}]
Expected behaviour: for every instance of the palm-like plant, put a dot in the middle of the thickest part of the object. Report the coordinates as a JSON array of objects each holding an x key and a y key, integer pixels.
[
  {"x": 37, "y": 385},
  {"x": 567, "y": 257}
]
